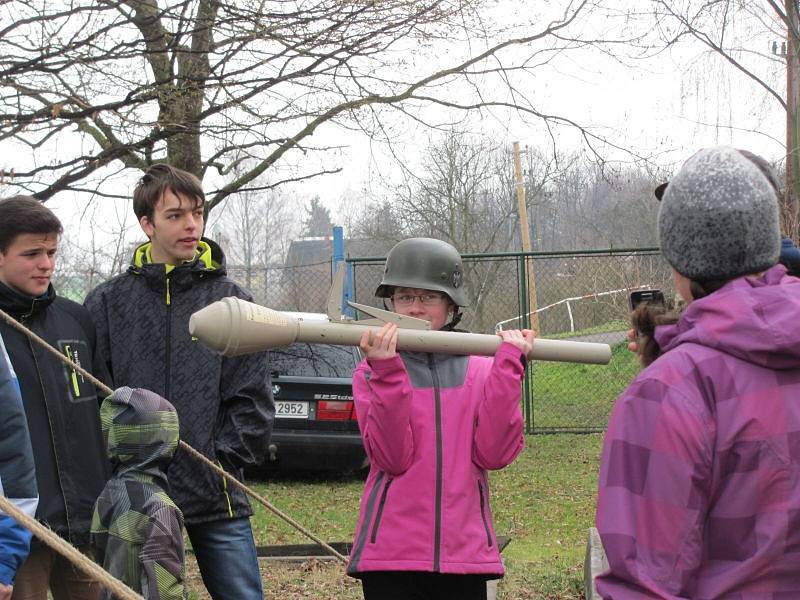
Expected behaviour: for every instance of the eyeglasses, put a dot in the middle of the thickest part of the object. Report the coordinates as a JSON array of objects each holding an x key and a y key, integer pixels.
[{"x": 429, "y": 299}]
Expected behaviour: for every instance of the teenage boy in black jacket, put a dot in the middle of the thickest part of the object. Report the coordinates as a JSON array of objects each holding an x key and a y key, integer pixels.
[
  {"x": 224, "y": 405},
  {"x": 62, "y": 409}
]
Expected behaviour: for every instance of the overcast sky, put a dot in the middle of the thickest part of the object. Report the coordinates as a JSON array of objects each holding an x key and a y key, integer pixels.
[{"x": 663, "y": 108}]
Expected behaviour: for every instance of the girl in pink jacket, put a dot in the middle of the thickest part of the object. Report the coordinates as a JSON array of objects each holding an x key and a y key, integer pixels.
[{"x": 432, "y": 425}]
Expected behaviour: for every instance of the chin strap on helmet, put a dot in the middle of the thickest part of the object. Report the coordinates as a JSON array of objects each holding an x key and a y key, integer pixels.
[{"x": 451, "y": 326}]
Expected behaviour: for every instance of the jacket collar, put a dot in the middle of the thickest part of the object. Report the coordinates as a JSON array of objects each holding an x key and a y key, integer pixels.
[
  {"x": 21, "y": 305},
  {"x": 209, "y": 258}
]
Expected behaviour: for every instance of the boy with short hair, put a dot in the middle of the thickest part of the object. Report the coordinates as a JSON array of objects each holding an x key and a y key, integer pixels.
[
  {"x": 62, "y": 409},
  {"x": 137, "y": 531},
  {"x": 225, "y": 404}
]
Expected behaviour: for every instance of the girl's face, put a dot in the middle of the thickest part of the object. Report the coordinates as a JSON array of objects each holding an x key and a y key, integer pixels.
[
  {"x": 682, "y": 286},
  {"x": 431, "y": 306}
]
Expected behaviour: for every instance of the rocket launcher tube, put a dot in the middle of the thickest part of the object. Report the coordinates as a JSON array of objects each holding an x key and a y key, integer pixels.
[{"x": 233, "y": 326}]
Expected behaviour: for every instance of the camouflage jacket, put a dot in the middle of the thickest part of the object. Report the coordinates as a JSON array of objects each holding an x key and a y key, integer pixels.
[{"x": 137, "y": 531}]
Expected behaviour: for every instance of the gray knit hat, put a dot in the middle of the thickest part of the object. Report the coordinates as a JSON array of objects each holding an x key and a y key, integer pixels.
[{"x": 719, "y": 217}]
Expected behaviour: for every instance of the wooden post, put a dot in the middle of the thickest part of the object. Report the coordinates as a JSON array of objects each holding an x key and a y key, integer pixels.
[
  {"x": 525, "y": 236},
  {"x": 789, "y": 210}
]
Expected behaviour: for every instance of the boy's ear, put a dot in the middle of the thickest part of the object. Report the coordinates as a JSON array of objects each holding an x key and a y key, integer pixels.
[{"x": 147, "y": 226}]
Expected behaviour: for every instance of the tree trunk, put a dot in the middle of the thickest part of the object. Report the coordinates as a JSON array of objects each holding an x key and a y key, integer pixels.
[{"x": 789, "y": 208}]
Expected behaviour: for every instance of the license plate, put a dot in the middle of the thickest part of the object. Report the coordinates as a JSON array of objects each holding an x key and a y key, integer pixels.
[{"x": 291, "y": 410}]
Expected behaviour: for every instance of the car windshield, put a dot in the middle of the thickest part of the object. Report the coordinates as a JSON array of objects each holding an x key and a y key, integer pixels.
[{"x": 313, "y": 360}]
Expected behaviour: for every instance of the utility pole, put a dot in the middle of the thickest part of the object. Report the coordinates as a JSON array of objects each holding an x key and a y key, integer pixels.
[
  {"x": 525, "y": 236},
  {"x": 789, "y": 210}
]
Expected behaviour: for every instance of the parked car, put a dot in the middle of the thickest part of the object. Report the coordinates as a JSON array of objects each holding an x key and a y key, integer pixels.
[{"x": 315, "y": 418}]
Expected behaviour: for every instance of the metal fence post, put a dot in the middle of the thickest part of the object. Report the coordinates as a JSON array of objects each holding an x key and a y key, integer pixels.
[
  {"x": 524, "y": 306},
  {"x": 339, "y": 261}
]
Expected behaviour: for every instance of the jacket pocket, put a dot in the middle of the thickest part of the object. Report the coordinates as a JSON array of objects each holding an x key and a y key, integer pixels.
[
  {"x": 78, "y": 388},
  {"x": 484, "y": 504},
  {"x": 374, "y": 535},
  {"x": 225, "y": 490}
]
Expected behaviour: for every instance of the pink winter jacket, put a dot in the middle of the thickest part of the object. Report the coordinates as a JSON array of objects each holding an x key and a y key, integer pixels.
[{"x": 432, "y": 424}]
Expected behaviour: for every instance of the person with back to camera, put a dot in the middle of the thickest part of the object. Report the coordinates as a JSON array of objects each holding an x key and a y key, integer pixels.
[
  {"x": 699, "y": 488},
  {"x": 432, "y": 425},
  {"x": 647, "y": 317},
  {"x": 137, "y": 530}
]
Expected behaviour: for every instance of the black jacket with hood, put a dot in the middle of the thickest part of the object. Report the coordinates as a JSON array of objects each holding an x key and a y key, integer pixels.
[
  {"x": 225, "y": 405},
  {"x": 62, "y": 408}
]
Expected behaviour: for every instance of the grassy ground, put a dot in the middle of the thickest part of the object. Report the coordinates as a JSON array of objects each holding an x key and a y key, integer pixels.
[
  {"x": 617, "y": 325},
  {"x": 544, "y": 502}
]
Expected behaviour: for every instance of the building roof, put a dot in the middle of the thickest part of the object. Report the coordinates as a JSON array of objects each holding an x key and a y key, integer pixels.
[{"x": 319, "y": 250}]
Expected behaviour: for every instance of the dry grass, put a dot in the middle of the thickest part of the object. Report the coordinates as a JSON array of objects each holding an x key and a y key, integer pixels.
[
  {"x": 544, "y": 502},
  {"x": 321, "y": 580}
]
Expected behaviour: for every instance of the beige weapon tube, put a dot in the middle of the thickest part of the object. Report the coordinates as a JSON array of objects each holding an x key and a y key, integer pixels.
[{"x": 234, "y": 326}]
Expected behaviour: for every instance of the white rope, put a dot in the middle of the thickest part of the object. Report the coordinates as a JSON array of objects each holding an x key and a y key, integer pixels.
[
  {"x": 499, "y": 325},
  {"x": 217, "y": 469}
]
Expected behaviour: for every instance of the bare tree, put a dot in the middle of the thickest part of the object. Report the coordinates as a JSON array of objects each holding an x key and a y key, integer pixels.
[
  {"x": 463, "y": 195},
  {"x": 463, "y": 192},
  {"x": 208, "y": 84},
  {"x": 99, "y": 254},
  {"x": 599, "y": 206},
  {"x": 255, "y": 229},
  {"x": 760, "y": 41}
]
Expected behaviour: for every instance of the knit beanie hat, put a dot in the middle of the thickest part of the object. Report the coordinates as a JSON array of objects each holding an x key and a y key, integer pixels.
[{"x": 719, "y": 217}]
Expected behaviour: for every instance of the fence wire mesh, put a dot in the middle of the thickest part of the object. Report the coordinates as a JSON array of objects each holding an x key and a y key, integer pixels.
[
  {"x": 581, "y": 296},
  {"x": 299, "y": 288}
]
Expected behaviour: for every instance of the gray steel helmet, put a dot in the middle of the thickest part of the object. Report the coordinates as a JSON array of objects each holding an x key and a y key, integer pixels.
[{"x": 424, "y": 263}]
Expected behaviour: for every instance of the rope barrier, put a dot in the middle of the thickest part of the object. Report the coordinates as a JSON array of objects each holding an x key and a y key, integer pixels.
[
  {"x": 68, "y": 551},
  {"x": 499, "y": 325},
  {"x": 217, "y": 469}
]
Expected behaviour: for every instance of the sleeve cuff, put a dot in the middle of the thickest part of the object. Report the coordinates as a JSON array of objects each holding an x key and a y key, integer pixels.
[
  {"x": 514, "y": 354},
  {"x": 385, "y": 365},
  {"x": 6, "y": 574}
]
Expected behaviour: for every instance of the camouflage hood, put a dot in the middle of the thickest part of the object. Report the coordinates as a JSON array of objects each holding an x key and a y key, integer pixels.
[{"x": 140, "y": 429}]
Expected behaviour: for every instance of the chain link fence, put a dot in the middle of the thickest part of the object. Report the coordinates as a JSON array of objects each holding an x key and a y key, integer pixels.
[
  {"x": 299, "y": 288},
  {"x": 580, "y": 296}
]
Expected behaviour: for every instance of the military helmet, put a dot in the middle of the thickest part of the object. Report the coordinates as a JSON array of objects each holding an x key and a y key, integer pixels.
[{"x": 424, "y": 263}]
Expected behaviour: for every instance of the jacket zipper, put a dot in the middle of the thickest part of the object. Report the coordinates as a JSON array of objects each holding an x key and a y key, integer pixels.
[
  {"x": 377, "y": 522},
  {"x": 50, "y": 426},
  {"x": 437, "y": 528},
  {"x": 167, "y": 386},
  {"x": 361, "y": 540},
  {"x": 483, "y": 516}
]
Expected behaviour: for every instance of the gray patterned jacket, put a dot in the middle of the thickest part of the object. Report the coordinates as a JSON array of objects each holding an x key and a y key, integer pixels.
[{"x": 225, "y": 405}]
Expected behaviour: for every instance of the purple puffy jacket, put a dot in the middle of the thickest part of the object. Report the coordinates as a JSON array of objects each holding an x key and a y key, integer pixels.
[{"x": 700, "y": 476}]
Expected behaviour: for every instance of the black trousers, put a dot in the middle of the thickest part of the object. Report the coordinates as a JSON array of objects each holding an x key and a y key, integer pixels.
[{"x": 415, "y": 585}]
